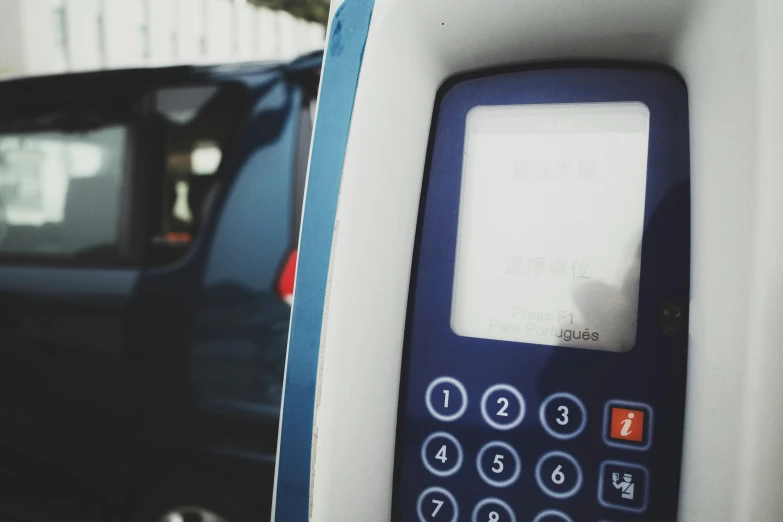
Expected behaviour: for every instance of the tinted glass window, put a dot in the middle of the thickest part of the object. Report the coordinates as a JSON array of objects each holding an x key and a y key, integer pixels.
[
  {"x": 198, "y": 125},
  {"x": 60, "y": 193}
]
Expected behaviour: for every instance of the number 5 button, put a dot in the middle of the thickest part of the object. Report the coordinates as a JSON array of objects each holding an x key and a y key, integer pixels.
[
  {"x": 498, "y": 464},
  {"x": 559, "y": 475},
  {"x": 502, "y": 407},
  {"x": 563, "y": 416}
]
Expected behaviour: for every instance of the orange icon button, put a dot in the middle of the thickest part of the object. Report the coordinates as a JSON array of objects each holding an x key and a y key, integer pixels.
[{"x": 627, "y": 424}]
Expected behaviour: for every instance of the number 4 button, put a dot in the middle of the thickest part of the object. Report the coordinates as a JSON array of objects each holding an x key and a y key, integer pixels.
[{"x": 441, "y": 454}]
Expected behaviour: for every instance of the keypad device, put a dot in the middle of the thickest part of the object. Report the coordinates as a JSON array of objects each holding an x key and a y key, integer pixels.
[
  {"x": 622, "y": 486},
  {"x": 532, "y": 387}
]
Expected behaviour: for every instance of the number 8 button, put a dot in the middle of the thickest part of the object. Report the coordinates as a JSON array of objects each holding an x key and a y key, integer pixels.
[
  {"x": 493, "y": 510},
  {"x": 502, "y": 407}
]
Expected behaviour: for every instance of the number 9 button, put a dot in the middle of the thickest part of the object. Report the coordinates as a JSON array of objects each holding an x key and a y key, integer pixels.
[
  {"x": 563, "y": 416},
  {"x": 502, "y": 407}
]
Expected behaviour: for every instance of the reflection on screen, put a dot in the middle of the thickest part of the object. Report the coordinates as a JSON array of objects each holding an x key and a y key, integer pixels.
[{"x": 550, "y": 224}]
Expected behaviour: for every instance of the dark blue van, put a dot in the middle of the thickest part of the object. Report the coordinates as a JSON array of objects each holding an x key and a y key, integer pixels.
[{"x": 146, "y": 221}]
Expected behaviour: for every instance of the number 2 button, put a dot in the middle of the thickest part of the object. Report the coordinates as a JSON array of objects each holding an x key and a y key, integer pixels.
[
  {"x": 437, "y": 505},
  {"x": 446, "y": 399},
  {"x": 563, "y": 416},
  {"x": 502, "y": 407},
  {"x": 498, "y": 464}
]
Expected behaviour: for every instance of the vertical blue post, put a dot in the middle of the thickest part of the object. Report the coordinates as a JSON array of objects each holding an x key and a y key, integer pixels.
[{"x": 339, "y": 79}]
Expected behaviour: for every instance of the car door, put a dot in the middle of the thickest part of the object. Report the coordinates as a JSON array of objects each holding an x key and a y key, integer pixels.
[
  {"x": 221, "y": 435},
  {"x": 66, "y": 282}
]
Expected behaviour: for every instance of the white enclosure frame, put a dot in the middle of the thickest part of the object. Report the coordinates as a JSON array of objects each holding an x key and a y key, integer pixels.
[{"x": 730, "y": 53}]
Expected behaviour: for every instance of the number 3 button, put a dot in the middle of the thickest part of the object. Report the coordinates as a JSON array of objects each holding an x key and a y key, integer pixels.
[
  {"x": 502, "y": 407},
  {"x": 563, "y": 416},
  {"x": 559, "y": 475},
  {"x": 498, "y": 464}
]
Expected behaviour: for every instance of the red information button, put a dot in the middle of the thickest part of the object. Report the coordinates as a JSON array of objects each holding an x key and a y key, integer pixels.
[{"x": 627, "y": 424}]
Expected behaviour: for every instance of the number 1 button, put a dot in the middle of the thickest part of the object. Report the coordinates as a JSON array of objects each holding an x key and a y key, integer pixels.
[
  {"x": 446, "y": 399},
  {"x": 502, "y": 407},
  {"x": 437, "y": 505}
]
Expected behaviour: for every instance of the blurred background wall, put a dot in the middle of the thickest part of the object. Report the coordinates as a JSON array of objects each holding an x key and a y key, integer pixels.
[{"x": 53, "y": 36}]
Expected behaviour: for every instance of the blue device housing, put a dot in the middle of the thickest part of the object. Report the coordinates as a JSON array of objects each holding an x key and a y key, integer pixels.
[{"x": 650, "y": 378}]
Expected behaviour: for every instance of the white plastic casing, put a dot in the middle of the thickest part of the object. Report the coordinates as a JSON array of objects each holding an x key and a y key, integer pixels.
[{"x": 730, "y": 53}]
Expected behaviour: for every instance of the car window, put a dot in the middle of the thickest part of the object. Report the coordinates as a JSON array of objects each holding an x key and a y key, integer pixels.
[
  {"x": 198, "y": 126},
  {"x": 60, "y": 193}
]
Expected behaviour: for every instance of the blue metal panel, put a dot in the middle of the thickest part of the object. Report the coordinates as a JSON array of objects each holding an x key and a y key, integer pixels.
[
  {"x": 651, "y": 374},
  {"x": 338, "y": 88}
]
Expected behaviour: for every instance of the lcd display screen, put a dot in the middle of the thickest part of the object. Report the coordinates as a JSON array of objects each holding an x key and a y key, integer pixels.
[{"x": 550, "y": 224}]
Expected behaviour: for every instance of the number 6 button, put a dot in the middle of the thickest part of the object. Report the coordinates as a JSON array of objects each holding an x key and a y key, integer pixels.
[
  {"x": 498, "y": 464},
  {"x": 502, "y": 407},
  {"x": 559, "y": 475},
  {"x": 563, "y": 416}
]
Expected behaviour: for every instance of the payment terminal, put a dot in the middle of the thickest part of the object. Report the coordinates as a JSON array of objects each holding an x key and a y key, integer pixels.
[
  {"x": 546, "y": 335},
  {"x": 536, "y": 279}
]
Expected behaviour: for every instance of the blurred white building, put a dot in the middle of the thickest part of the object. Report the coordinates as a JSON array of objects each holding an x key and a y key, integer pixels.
[{"x": 51, "y": 36}]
